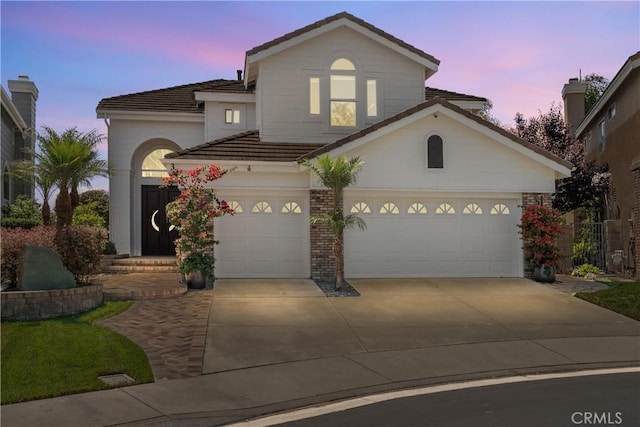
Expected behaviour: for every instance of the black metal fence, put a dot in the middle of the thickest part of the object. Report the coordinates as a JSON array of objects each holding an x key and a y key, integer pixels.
[{"x": 589, "y": 245}]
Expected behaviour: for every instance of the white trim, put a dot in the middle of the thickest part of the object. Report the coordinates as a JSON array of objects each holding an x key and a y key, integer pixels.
[
  {"x": 151, "y": 116},
  {"x": 240, "y": 165},
  {"x": 242, "y": 98},
  {"x": 622, "y": 75}
]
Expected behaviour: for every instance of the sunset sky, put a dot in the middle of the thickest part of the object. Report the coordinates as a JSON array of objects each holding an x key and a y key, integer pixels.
[{"x": 517, "y": 54}]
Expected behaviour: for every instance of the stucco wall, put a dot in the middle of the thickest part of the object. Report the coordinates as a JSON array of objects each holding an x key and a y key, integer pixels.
[
  {"x": 472, "y": 161},
  {"x": 282, "y": 86}
]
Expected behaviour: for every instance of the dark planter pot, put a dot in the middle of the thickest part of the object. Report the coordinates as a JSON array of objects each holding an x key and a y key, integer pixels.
[
  {"x": 196, "y": 280},
  {"x": 544, "y": 274}
]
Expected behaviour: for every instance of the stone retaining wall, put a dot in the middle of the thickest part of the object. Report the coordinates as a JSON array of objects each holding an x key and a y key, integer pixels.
[{"x": 36, "y": 305}]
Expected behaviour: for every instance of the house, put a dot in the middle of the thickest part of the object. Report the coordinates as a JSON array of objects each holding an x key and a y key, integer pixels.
[
  {"x": 441, "y": 190},
  {"x": 610, "y": 132},
  {"x": 18, "y": 133}
]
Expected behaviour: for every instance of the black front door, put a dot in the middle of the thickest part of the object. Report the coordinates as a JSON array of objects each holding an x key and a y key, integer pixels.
[{"x": 157, "y": 234}]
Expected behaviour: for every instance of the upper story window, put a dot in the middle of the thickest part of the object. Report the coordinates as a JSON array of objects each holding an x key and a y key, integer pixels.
[
  {"x": 343, "y": 93},
  {"x": 152, "y": 166},
  {"x": 372, "y": 98},
  {"x": 231, "y": 116},
  {"x": 602, "y": 131},
  {"x": 314, "y": 96},
  {"x": 435, "y": 152}
]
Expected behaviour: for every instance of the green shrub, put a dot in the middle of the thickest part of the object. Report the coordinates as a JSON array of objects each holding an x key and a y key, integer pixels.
[
  {"x": 25, "y": 207},
  {"x": 109, "y": 248},
  {"x": 100, "y": 201},
  {"x": 80, "y": 248},
  {"x": 585, "y": 269},
  {"x": 13, "y": 241},
  {"x": 23, "y": 212},
  {"x": 87, "y": 214},
  {"x": 9, "y": 222}
]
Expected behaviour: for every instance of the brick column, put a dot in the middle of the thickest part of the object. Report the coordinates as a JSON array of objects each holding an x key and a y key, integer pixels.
[
  {"x": 533, "y": 199},
  {"x": 635, "y": 177},
  {"x": 321, "y": 239}
]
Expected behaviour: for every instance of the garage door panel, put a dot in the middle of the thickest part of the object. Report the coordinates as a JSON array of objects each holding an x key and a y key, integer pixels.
[
  {"x": 474, "y": 244},
  {"x": 263, "y": 244}
]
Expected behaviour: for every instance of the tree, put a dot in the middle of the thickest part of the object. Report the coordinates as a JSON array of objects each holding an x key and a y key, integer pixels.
[
  {"x": 68, "y": 160},
  {"x": 589, "y": 183},
  {"x": 596, "y": 85},
  {"x": 485, "y": 113},
  {"x": 100, "y": 202},
  {"x": 337, "y": 174}
]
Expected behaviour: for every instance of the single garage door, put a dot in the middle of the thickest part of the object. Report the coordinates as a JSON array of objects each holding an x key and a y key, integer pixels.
[
  {"x": 446, "y": 237},
  {"x": 267, "y": 237}
]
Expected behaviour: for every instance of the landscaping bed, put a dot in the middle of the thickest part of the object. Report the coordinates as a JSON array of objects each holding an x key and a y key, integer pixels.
[{"x": 328, "y": 287}]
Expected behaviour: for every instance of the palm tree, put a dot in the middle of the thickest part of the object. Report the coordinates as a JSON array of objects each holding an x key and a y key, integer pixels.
[
  {"x": 337, "y": 174},
  {"x": 65, "y": 161}
]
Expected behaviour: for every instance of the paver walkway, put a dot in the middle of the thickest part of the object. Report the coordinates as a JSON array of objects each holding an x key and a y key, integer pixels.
[{"x": 171, "y": 331}]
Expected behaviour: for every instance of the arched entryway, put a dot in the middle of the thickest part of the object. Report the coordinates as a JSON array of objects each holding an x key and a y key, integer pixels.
[{"x": 157, "y": 236}]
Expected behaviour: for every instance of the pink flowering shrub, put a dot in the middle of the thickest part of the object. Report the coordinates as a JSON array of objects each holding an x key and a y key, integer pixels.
[
  {"x": 192, "y": 212},
  {"x": 13, "y": 242}
]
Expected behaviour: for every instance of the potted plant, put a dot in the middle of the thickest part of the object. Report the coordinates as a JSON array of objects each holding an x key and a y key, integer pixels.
[
  {"x": 197, "y": 267},
  {"x": 192, "y": 213},
  {"x": 540, "y": 228}
]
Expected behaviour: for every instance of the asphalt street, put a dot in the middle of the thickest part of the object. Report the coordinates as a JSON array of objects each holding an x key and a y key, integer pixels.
[{"x": 580, "y": 401}]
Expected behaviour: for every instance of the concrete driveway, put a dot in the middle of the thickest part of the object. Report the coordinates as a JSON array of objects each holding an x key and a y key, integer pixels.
[
  {"x": 265, "y": 322},
  {"x": 274, "y": 345}
]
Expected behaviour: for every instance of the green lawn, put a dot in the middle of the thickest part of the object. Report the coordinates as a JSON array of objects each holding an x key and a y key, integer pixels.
[
  {"x": 63, "y": 356},
  {"x": 621, "y": 297}
]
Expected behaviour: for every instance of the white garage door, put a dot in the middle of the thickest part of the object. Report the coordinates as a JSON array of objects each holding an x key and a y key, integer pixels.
[
  {"x": 267, "y": 237},
  {"x": 447, "y": 237}
]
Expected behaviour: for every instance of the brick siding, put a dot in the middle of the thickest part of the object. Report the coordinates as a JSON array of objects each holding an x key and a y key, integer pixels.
[{"x": 322, "y": 260}]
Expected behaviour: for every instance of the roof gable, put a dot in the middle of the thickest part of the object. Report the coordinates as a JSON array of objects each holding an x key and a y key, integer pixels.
[
  {"x": 327, "y": 24},
  {"x": 435, "y": 105}
]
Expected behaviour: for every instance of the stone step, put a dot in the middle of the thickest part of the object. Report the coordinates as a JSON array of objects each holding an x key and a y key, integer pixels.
[
  {"x": 141, "y": 268},
  {"x": 146, "y": 261}
]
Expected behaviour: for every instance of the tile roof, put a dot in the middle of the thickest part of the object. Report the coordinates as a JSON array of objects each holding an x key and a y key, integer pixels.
[
  {"x": 246, "y": 146},
  {"x": 337, "y": 17},
  {"x": 432, "y": 92},
  {"x": 179, "y": 99},
  {"x": 406, "y": 113}
]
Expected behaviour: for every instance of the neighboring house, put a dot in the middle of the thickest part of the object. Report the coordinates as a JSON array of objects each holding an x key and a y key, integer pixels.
[
  {"x": 610, "y": 132},
  {"x": 440, "y": 191},
  {"x": 18, "y": 133}
]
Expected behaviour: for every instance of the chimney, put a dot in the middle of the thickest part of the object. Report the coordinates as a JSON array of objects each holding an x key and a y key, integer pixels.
[
  {"x": 239, "y": 74},
  {"x": 573, "y": 94},
  {"x": 24, "y": 95}
]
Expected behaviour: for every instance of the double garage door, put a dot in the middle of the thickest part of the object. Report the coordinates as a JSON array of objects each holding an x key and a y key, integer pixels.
[
  {"x": 405, "y": 237},
  {"x": 448, "y": 237}
]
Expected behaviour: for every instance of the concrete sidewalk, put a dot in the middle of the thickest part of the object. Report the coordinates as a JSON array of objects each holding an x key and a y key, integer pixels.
[{"x": 278, "y": 345}]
